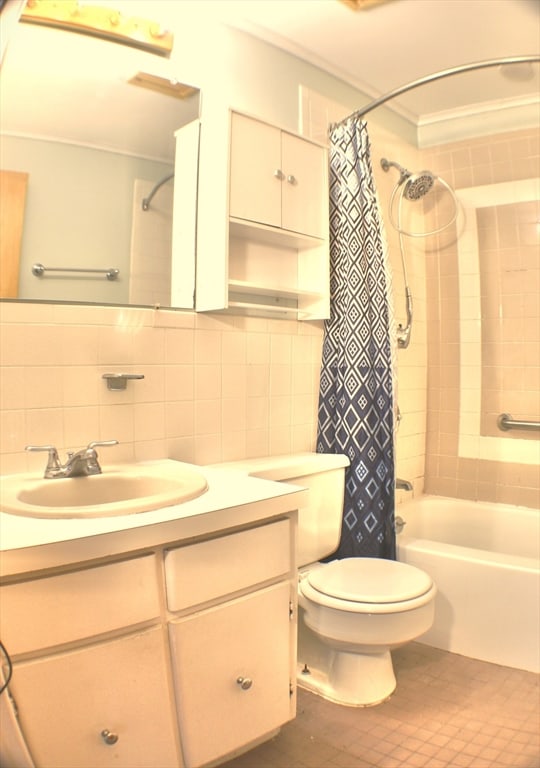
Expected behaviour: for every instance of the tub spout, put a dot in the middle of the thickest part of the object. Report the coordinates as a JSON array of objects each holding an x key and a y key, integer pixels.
[{"x": 403, "y": 485}]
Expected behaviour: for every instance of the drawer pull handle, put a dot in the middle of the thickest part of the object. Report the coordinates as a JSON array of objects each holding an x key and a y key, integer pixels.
[
  {"x": 245, "y": 683},
  {"x": 279, "y": 174},
  {"x": 109, "y": 737},
  {"x": 292, "y": 180}
]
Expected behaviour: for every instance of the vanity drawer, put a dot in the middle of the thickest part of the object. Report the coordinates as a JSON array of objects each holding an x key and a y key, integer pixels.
[
  {"x": 60, "y": 609},
  {"x": 211, "y": 569}
]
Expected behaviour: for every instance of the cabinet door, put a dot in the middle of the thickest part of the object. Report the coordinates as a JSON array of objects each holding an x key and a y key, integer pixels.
[
  {"x": 305, "y": 187},
  {"x": 233, "y": 672},
  {"x": 66, "y": 701},
  {"x": 255, "y": 174}
]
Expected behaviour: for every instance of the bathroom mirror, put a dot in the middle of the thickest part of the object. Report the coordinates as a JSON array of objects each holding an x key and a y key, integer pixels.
[{"x": 88, "y": 126}]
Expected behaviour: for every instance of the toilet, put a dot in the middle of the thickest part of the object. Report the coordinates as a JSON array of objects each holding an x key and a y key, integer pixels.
[{"x": 353, "y": 611}]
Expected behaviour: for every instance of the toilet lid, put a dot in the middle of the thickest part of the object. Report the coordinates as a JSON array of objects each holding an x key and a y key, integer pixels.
[{"x": 370, "y": 580}]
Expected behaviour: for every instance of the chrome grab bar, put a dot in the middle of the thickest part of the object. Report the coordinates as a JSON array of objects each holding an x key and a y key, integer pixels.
[
  {"x": 506, "y": 422},
  {"x": 38, "y": 270}
]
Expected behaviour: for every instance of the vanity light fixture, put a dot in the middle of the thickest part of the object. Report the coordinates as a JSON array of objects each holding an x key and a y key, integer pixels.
[
  {"x": 100, "y": 22},
  {"x": 163, "y": 85}
]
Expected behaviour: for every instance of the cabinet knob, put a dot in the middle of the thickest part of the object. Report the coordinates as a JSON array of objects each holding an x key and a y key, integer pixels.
[
  {"x": 279, "y": 174},
  {"x": 245, "y": 683},
  {"x": 291, "y": 180},
  {"x": 109, "y": 737}
]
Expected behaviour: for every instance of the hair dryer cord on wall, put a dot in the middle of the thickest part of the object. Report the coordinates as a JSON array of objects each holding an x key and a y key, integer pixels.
[
  {"x": 7, "y": 676},
  {"x": 404, "y": 333}
]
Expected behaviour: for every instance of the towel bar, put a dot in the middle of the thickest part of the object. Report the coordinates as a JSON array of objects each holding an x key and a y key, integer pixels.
[
  {"x": 506, "y": 422},
  {"x": 38, "y": 270}
]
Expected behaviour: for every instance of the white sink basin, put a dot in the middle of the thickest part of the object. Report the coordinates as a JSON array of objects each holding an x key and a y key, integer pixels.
[{"x": 115, "y": 492}]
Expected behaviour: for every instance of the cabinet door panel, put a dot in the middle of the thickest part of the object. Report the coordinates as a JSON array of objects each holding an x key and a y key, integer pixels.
[
  {"x": 305, "y": 189},
  {"x": 249, "y": 638},
  {"x": 66, "y": 701},
  {"x": 42, "y": 613},
  {"x": 255, "y": 192},
  {"x": 226, "y": 564}
]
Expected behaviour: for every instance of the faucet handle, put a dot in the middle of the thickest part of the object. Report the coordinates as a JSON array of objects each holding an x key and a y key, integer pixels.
[
  {"x": 53, "y": 461},
  {"x": 91, "y": 457},
  {"x": 97, "y": 443}
]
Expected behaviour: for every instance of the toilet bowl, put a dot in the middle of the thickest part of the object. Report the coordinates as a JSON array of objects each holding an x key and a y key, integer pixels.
[
  {"x": 352, "y": 612},
  {"x": 358, "y": 609}
]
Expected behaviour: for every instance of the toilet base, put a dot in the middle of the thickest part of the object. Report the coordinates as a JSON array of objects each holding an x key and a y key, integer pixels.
[{"x": 351, "y": 679}]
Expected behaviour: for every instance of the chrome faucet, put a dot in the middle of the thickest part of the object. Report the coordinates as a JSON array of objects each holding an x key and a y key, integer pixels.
[
  {"x": 403, "y": 485},
  {"x": 79, "y": 464}
]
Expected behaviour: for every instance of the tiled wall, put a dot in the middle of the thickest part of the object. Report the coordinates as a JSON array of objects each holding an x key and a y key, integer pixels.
[
  {"x": 506, "y": 291},
  {"x": 509, "y": 245},
  {"x": 221, "y": 387},
  {"x": 216, "y": 388},
  {"x": 151, "y": 246}
]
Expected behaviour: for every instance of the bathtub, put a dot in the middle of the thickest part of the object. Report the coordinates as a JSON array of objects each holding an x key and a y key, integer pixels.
[{"x": 484, "y": 558}]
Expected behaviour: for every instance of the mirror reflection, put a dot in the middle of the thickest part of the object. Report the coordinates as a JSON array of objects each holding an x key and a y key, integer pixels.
[{"x": 88, "y": 133}]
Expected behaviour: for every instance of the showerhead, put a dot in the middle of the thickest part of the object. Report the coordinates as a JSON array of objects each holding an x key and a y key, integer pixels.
[{"x": 416, "y": 184}]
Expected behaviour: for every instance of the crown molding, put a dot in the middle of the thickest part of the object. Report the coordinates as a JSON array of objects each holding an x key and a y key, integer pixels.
[{"x": 482, "y": 119}]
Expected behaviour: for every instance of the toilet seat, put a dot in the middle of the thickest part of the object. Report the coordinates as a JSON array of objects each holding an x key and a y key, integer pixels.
[{"x": 368, "y": 585}]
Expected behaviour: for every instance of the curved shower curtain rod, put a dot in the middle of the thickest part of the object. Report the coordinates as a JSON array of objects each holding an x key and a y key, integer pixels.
[
  {"x": 436, "y": 76},
  {"x": 147, "y": 200}
]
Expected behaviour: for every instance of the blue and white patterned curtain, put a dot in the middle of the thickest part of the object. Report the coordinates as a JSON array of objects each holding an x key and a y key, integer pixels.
[{"x": 355, "y": 399}]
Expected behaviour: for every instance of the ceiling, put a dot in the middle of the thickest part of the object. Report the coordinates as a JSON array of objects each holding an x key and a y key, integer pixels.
[
  {"x": 376, "y": 50},
  {"x": 399, "y": 41}
]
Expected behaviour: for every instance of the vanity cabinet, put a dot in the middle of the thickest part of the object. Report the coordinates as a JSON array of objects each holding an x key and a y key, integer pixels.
[
  {"x": 275, "y": 203},
  {"x": 177, "y": 656}
]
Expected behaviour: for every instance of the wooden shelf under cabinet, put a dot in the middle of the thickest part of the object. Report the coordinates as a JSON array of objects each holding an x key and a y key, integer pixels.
[
  {"x": 263, "y": 233},
  {"x": 269, "y": 300}
]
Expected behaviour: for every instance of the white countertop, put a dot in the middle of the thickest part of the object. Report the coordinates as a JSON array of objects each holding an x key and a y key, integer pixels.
[{"x": 232, "y": 498}]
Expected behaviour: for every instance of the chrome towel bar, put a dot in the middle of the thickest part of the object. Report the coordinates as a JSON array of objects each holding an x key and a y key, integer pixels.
[
  {"x": 38, "y": 270},
  {"x": 506, "y": 422}
]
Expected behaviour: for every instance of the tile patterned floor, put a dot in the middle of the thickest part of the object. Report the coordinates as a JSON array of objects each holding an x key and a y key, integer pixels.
[{"x": 448, "y": 711}]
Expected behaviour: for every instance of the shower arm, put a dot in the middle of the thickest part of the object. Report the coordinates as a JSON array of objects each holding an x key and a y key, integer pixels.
[{"x": 147, "y": 200}]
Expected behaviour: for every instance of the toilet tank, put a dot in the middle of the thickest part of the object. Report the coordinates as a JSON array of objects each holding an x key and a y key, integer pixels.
[{"x": 323, "y": 474}]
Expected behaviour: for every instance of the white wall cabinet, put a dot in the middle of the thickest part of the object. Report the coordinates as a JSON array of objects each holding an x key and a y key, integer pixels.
[
  {"x": 175, "y": 658},
  {"x": 277, "y": 178},
  {"x": 275, "y": 204}
]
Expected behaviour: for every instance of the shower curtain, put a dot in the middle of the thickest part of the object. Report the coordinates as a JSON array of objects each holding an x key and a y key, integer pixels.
[{"x": 355, "y": 397}]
